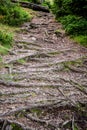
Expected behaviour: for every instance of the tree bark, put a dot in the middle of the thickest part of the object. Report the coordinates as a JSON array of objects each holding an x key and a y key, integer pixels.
[{"x": 32, "y": 6}]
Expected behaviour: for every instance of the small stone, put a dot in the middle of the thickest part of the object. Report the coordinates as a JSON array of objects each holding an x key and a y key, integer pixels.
[{"x": 33, "y": 38}]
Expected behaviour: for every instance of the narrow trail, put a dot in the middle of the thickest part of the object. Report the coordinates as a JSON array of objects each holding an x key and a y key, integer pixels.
[{"x": 42, "y": 83}]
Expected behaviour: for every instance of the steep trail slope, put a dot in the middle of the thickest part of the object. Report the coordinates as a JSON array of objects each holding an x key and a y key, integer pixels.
[{"x": 44, "y": 83}]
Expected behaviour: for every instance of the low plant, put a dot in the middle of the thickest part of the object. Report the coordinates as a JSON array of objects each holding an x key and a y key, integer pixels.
[
  {"x": 74, "y": 25},
  {"x": 6, "y": 41},
  {"x": 16, "y": 16},
  {"x": 73, "y": 15},
  {"x": 82, "y": 39},
  {"x": 13, "y": 14},
  {"x": 5, "y": 38}
]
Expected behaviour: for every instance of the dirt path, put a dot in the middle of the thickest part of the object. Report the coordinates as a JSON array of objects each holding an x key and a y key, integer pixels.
[{"x": 44, "y": 83}]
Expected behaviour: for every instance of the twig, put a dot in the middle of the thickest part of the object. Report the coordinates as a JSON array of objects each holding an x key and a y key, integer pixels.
[
  {"x": 39, "y": 120},
  {"x": 79, "y": 87},
  {"x": 22, "y": 85},
  {"x": 73, "y": 123},
  {"x": 45, "y": 105},
  {"x": 67, "y": 98},
  {"x": 77, "y": 70},
  {"x": 4, "y": 124},
  {"x": 16, "y": 123},
  {"x": 76, "y": 85}
]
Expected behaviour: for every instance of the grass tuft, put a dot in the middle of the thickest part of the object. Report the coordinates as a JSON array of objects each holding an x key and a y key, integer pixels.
[{"x": 82, "y": 39}]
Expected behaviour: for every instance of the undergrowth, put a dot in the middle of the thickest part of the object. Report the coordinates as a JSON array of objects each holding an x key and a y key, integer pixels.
[
  {"x": 73, "y": 15},
  {"x": 14, "y": 15},
  {"x": 11, "y": 16},
  {"x": 82, "y": 39},
  {"x": 5, "y": 38}
]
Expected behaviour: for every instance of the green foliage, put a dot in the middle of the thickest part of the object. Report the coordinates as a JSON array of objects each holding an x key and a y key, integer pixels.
[
  {"x": 46, "y": 3},
  {"x": 36, "y": 111},
  {"x": 34, "y": 1},
  {"x": 73, "y": 15},
  {"x": 21, "y": 61},
  {"x": 13, "y": 14},
  {"x": 82, "y": 39},
  {"x": 16, "y": 16},
  {"x": 74, "y": 25},
  {"x": 5, "y": 38},
  {"x": 15, "y": 127},
  {"x": 5, "y": 5},
  {"x": 0, "y": 59},
  {"x": 64, "y": 7}
]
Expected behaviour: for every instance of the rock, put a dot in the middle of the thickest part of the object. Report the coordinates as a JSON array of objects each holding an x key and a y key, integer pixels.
[{"x": 33, "y": 38}]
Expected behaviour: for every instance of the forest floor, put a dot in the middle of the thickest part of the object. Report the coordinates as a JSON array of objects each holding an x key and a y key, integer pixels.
[{"x": 43, "y": 82}]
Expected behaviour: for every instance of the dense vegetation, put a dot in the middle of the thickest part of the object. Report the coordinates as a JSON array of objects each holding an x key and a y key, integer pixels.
[
  {"x": 73, "y": 15},
  {"x": 10, "y": 15},
  {"x": 13, "y": 14}
]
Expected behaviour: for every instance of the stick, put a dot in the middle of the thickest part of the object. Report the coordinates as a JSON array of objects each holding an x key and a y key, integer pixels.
[{"x": 32, "y": 6}]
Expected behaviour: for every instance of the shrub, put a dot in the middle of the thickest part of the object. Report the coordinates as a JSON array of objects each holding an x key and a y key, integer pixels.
[
  {"x": 47, "y": 3},
  {"x": 13, "y": 14},
  {"x": 5, "y": 5},
  {"x": 74, "y": 25},
  {"x": 16, "y": 16},
  {"x": 73, "y": 15},
  {"x": 65, "y": 7}
]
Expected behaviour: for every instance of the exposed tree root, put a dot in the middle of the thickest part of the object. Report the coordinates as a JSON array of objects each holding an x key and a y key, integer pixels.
[
  {"x": 76, "y": 85},
  {"x": 55, "y": 104},
  {"x": 8, "y": 124},
  {"x": 44, "y": 122},
  {"x": 14, "y": 59},
  {"x": 79, "y": 86},
  {"x": 22, "y": 85},
  {"x": 74, "y": 69}
]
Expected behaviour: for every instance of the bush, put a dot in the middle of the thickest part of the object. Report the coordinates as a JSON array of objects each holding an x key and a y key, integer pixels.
[
  {"x": 5, "y": 5},
  {"x": 13, "y": 14},
  {"x": 74, "y": 25},
  {"x": 5, "y": 38},
  {"x": 73, "y": 15},
  {"x": 16, "y": 16},
  {"x": 47, "y": 3},
  {"x": 65, "y": 7}
]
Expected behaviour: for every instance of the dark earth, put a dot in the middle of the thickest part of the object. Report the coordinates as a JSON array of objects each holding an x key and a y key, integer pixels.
[{"x": 43, "y": 82}]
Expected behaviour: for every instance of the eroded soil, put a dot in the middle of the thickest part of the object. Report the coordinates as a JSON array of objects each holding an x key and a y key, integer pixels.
[{"x": 43, "y": 84}]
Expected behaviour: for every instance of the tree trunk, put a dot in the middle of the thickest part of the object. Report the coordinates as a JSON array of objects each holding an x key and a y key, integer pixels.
[{"x": 32, "y": 6}]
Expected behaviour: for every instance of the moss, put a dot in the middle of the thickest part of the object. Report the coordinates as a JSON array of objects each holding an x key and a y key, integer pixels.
[
  {"x": 15, "y": 127},
  {"x": 21, "y": 61},
  {"x": 36, "y": 111},
  {"x": 74, "y": 63}
]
